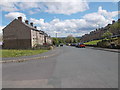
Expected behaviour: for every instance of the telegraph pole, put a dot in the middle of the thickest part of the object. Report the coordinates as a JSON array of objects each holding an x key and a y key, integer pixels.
[{"x": 56, "y": 35}]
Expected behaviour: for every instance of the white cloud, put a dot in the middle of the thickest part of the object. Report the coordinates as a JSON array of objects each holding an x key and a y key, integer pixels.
[
  {"x": 102, "y": 17},
  {"x": 1, "y": 27},
  {"x": 40, "y": 21},
  {"x": 65, "y": 7},
  {"x": 13, "y": 15},
  {"x": 95, "y": 18},
  {"x": 76, "y": 27},
  {"x": 50, "y": 7},
  {"x": 107, "y": 14},
  {"x": 65, "y": 27},
  {"x": 27, "y": 5},
  {"x": 8, "y": 6}
]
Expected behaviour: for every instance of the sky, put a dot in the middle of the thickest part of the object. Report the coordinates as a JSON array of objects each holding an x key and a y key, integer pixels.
[{"x": 64, "y": 18}]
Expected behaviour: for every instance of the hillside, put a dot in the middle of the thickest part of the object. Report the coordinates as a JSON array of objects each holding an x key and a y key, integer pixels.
[
  {"x": 114, "y": 28},
  {"x": 116, "y": 25}
]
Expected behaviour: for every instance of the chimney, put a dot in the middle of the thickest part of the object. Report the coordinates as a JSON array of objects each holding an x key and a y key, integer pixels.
[
  {"x": 20, "y": 18},
  {"x": 35, "y": 27},
  {"x": 31, "y": 23},
  {"x": 118, "y": 20},
  {"x": 108, "y": 24},
  {"x": 113, "y": 21},
  {"x": 26, "y": 21}
]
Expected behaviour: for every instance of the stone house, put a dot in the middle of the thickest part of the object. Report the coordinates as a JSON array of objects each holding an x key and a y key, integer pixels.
[{"x": 22, "y": 35}]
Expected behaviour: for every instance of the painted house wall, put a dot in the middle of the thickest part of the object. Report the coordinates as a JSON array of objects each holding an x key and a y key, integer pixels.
[
  {"x": 33, "y": 38},
  {"x": 36, "y": 38},
  {"x": 40, "y": 38},
  {"x": 49, "y": 40}
]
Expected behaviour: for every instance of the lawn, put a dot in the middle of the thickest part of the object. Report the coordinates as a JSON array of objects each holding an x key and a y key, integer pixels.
[
  {"x": 18, "y": 53},
  {"x": 94, "y": 42}
]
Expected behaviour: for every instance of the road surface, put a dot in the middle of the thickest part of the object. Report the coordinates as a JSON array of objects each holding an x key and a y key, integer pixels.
[{"x": 72, "y": 68}]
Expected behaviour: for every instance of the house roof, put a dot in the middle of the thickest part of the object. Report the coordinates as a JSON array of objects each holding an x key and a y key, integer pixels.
[{"x": 29, "y": 26}]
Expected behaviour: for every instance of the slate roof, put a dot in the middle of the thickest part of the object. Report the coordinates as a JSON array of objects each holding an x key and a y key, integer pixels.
[{"x": 31, "y": 27}]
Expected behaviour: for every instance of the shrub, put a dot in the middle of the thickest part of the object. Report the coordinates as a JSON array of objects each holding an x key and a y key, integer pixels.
[
  {"x": 103, "y": 44},
  {"x": 50, "y": 48}
]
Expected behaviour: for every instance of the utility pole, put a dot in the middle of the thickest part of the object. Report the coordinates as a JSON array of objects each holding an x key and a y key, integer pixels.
[{"x": 56, "y": 35}]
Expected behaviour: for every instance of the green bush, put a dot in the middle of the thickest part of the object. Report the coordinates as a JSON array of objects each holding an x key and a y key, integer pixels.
[{"x": 103, "y": 43}]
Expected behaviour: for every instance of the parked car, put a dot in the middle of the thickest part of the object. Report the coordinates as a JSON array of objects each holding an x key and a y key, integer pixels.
[
  {"x": 73, "y": 44},
  {"x": 80, "y": 45},
  {"x": 68, "y": 44},
  {"x": 61, "y": 45}
]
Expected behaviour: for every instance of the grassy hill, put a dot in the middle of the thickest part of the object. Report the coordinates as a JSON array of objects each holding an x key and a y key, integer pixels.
[
  {"x": 114, "y": 28},
  {"x": 94, "y": 42}
]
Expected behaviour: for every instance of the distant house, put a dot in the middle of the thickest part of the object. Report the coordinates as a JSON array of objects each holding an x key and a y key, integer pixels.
[
  {"x": 21, "y": 35},
  {"x": 97, "y": 34}
]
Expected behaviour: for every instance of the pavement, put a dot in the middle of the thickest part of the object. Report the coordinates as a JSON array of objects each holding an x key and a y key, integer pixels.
[
  {"x": 106, "y": 49},
  {"x": 71, "y": 68}
]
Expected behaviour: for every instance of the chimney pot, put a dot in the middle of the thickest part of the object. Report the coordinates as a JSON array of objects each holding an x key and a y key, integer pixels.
[
  {"x": 118, "y": 20},
  {"x": 35, "y": 27},
  {"x": 20, "y": 18},
  {"x": 26, "y": 21},
  {"x": 108, "y": 24},
  {"x": 31, "y": 23},
  {"x": 113, "y": 21}
]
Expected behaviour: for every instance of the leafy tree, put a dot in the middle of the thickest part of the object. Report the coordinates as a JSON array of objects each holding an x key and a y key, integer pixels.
[
  {"x": 76, "y": 40},
  {"x": 71, "y": 39},
  {"x": 60, "y": 40},
  {"x": 107, "y": 35},
  {"x": 57, "y": 41}
]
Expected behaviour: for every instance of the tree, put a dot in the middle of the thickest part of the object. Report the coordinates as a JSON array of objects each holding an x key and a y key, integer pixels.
[
  {"x": 70, "y": 39},
  {"x": 57, "y": 41},
  {"x": 107, "y": 35}
]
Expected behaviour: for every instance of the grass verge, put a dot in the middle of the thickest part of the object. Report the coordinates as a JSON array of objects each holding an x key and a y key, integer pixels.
[
  {"x": 94, "y": 42},
  {"x": 18, "y": 53}
]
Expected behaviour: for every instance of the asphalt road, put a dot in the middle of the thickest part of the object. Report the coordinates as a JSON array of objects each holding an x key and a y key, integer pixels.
[{"x": 72, "y": 68}]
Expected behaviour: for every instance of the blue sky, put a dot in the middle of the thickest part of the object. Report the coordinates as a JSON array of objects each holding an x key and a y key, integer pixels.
[{"x": 76, "y": 18}]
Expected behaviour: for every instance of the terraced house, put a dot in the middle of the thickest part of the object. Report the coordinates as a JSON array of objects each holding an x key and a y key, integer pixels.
[
  {"x": 22, "y": 35},
  {"x": 97, "y": 34}
]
